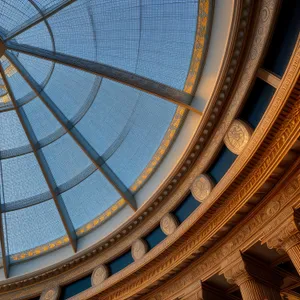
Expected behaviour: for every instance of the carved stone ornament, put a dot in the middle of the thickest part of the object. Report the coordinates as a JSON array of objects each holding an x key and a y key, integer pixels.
[
  {"x": 168, "y": 224},
  {"x": 52, "y": 293},
  {"x": 202, "y": 187},
  {"x": 237, "y": 136},
  {"x": 138, "y": 249},
  {"x": 99, "y": 275}
]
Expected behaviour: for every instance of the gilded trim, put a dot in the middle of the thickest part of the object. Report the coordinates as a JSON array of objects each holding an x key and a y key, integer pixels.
[
  {"x": 205, "y": 11},
  {"x": 63, "y": 241}
]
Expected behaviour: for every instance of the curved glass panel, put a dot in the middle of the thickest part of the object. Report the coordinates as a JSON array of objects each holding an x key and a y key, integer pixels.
[
  {"x": 12, "y": 135},
  {"x": 15, "y": 14},
  {"x": 150, "y": 120},
  {"x": 89, "y": 198},
  {"x": 31, "y": 227},
  {"x": 66, "y": 160},
  {"x": 22, "y": 178}
]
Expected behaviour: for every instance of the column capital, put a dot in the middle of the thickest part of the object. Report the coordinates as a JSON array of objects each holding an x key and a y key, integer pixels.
[
  {"x": 286, "y": 235},
  {"x": 240, "y": 268},
  {"x": 234, "y": 269}
]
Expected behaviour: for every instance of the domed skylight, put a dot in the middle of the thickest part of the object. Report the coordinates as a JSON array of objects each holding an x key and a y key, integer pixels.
[{"x": 86, "y": 110}]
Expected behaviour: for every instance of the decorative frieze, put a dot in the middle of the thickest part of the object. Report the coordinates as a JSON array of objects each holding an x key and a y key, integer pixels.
[{"x": 238, "y": 136}]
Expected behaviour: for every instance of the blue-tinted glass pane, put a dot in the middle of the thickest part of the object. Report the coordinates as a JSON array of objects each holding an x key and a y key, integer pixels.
[
  {"x": 13, "y": 136},
  {"x": 37, "y": 36},
  {"x": 65, "y": 159},
  {"x": 15, "y": 13},
  {"x": 89, "y": 199},
  {"x": 151, "y": 120},
  {"x": 110, "y": 117},
  {"x": 22, "y": 178},
  {"x": 40, "y": 221},
  {"x": 46, "y": 128}
]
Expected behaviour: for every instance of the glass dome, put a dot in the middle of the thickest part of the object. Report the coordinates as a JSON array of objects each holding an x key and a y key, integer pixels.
[{"x": 84, "y": 111}]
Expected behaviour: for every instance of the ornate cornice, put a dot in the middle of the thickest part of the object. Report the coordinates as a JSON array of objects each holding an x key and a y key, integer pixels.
[
  {"x": 284, "y": 134},
  {"x": 91, "y": 258},
  {"x": 284, "y": 235},
  {"x": 275, "y": 208}
]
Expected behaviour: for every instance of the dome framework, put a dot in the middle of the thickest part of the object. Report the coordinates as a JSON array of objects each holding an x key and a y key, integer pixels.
[{"x": 16, "y": 48}]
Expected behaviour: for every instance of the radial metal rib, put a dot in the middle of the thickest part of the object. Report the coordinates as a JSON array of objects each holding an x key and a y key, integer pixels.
[
  {"x": 178, "y": 97},
  {"x": 66, "y": 220},
  {"x": 75, "y": 134},
  {"x": 38, "y": 19},
  {"x": 5, "y": 257}
]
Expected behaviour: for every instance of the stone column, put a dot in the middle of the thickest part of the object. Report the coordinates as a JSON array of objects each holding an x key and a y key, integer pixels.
[
  {"x": 255, "y": 280},
  {"x": 286, "y": 237}
]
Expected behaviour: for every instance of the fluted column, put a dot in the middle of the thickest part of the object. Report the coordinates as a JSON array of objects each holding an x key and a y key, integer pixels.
[
  {"x": 292, "y": 248},
  {"x": 287, "y": 238},
  {"x": 253, "y": 290},
  {"x": 255, "y": 280}
]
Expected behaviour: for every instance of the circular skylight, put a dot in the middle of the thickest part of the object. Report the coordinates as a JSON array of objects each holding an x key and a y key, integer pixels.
[{"x": 77, "y": 146}]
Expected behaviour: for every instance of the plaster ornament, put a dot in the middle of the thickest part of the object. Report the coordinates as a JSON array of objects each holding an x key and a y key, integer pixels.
[
  {"x": 52, "y": 293},
  {"x": 99, "y": 275},
  {"x": 168, "y": 223},
  {"x": 238, "y": 136},
  {"x": 202, "y": 187},
  {"x": 138, "y": 249}
]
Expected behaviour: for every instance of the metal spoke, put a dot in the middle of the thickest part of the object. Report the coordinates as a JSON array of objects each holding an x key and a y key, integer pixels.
[
  {"x": 178, "y": 97},
  {"x": 75, "y": 134},
  {"x": 38, "y": 19},
  {"x": 66, "y": 220},
  {"x": 5, "y": 257}
]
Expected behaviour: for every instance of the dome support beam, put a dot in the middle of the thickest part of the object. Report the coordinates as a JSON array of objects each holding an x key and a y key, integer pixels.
[
  {"x": 144, "y": 84},
  {"x": 38, "y": 19},
  {"x": 91, "y": 153},
  {"x": 5, "y": 258},
  {"x": 66, "y": 220}
]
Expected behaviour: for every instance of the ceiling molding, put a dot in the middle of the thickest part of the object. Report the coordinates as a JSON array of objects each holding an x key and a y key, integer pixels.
[{"x": 230, "y": 195}]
